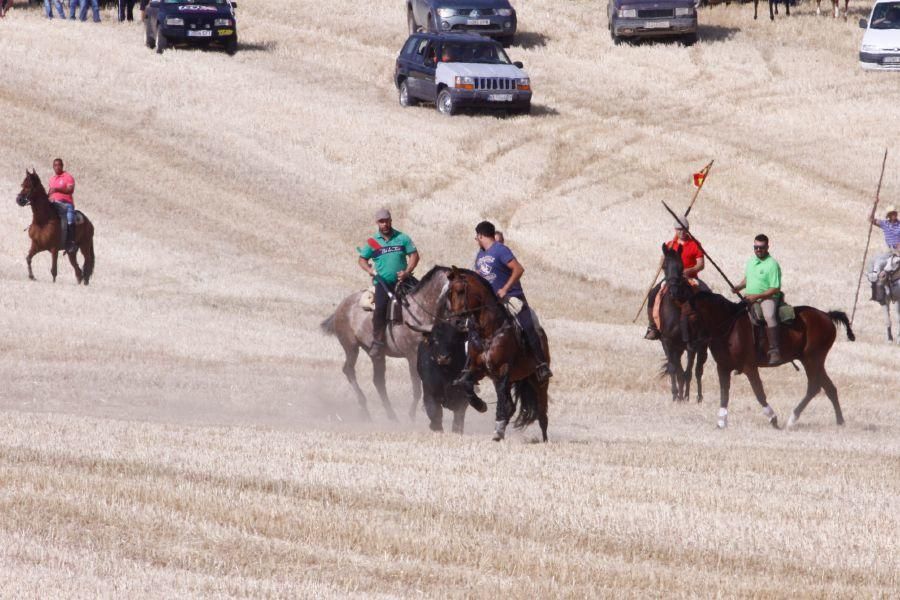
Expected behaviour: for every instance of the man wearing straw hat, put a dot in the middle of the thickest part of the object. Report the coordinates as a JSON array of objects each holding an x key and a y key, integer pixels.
[{"x": 890, "y": 225}]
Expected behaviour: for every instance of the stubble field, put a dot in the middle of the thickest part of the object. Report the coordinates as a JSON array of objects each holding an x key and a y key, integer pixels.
[{"x": 181, "y": 427}]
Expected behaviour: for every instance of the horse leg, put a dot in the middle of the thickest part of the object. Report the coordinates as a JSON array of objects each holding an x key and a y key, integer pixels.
[
  {"x": 702, "y": 355},
  {"x": 459, "y": 418},
  {"x": 378, "y": 371},
  {"x": 54, "y": 256},
  {"x": 350, "y": 373},
  {"x": 87, "y": 250},
  {"x": 818, "y": 7},
  {"x": 831, "y": 392},
  {"x": 813, "y": 385},
  {"x": 73, "y": 259},
  {"x": 504, "y": 407},
  {"x": 724, "y": 388},
  {"x": 416, "y": 385},
  {"x": 671, "y": 369},
  {"x": 837, "y": 7},
  {"x": 787, "y": 7},
  {"x": 887, "y": 319},
  {"x": 775, "y": 3},
  {"x": 760, "y": 393},
  {"x": 897, "y": 309},
  {"x": 31, "y": 252},
  {"x": 755, "y": 8},
  {"x": 688, "y": 372},
  {"x": 771, "y": 10}
]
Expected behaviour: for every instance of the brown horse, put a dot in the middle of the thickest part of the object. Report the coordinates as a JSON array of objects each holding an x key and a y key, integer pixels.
[
  {"x": 45, "y": 230},
  {"x": 496, "y": 350},
  {"x": 807, "y": 339}
]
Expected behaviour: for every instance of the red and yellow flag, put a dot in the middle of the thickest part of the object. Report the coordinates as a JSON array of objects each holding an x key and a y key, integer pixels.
[{"x": 699, "y": 178}]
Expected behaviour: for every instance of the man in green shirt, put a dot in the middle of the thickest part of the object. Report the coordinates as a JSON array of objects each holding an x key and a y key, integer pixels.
[
  {"x": 388, "y": 250},
  {"x": 762, "y": 281}
]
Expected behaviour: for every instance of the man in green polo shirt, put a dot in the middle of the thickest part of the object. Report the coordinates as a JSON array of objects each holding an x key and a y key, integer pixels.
[
  {"x": 388, "y": 250},
  {"x": 762, "y": 281}
]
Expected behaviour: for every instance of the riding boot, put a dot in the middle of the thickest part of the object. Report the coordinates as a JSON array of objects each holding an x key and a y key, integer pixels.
[
  {"x": 774, "y": 350},
  {"x": 376, "y": 351},
  {"x": 652, "y": 332},
  {"x": 71, "y": 248},
  {"x": 542, "y": 370}
]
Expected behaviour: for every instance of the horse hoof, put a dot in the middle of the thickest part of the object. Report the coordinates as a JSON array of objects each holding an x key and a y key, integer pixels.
[
  {"x": 722, "y": 424},
  {"x": 840, "y": 422},
  {"x": 437, "y": 428},
  {"x": 774, "y": 422},
  {"x": 498, "y": 437},
  {"x": 478, "y": 404},
  {"x": 792, "y": 421}
]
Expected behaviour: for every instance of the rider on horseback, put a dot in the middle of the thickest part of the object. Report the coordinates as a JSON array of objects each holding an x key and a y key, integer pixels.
[
  {"x": 62, "y": 184},
  {"x": 891, "y": 228},
  {"x": 692, "y": 258},
  {"x": 388, "y": 250},
  {"x": 762, "y": 280},
  {"x": 497, "y": 264}
]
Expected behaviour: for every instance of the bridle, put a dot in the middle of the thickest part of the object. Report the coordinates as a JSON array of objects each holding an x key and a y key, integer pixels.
[{"x": 24, "y": 198}]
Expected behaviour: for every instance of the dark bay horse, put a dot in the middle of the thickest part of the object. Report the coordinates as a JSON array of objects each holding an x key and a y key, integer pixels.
[
  {"x": 497, "y": 351},
  {"x": 807, "y": 339},
  {"x": 773, "y": 8},
  {"x": 353, "y": 327},
  {"x": 45, "y": 230},
  {"x": 674, "y": 320}
]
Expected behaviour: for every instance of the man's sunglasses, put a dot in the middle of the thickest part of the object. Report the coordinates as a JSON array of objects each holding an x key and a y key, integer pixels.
[{"x": 755, "y": 247}]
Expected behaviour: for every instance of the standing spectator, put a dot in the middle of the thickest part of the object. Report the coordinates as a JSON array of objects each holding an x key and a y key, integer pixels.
[
  {"x": 48, "y": 9},
  {"x": 95, "y": 8},
  {"x": 73, "y": 7},
  {"x": 126, "y": 10}
]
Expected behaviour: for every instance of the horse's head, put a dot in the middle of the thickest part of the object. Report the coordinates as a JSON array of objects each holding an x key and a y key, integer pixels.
[
  {"x": 465, "y": 296},
  {"x": 444, "y": 341},
  {"x": 30, "y": 185},
  {"x": 673, "y": 268}
]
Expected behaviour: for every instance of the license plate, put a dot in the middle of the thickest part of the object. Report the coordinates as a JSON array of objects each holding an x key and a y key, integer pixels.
[
  {"x": 226, "y": 31},
  {"x": 500, "y": 98},
  {"x": 200, "y": 33},
  {"x": 656, "y": 25},
  {"x": 892, "y": 60},
  {"x": 478, "y": 21}
]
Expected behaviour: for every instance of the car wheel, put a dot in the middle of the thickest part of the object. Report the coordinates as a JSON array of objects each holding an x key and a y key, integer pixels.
[
  {"x": 411, "y": 22},
  {"x": 403, "y": 93},
  {"x": 445, "y": 104},
  {"x": 231, "y": 46},
  {"x": 161, "y": 41}
]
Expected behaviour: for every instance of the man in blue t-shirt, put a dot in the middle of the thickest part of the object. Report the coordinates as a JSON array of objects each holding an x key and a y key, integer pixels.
[{"x": 497, "y": 264}]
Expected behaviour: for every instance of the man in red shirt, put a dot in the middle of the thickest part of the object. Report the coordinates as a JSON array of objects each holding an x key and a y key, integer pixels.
[
  {"x": 693, "y": 261},
  {"x": 62, "y": 185}
]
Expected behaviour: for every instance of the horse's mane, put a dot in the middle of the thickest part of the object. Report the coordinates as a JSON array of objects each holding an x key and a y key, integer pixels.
[
  {"x": 429, "y": 276},
  {"x": 720, "y": 300}
]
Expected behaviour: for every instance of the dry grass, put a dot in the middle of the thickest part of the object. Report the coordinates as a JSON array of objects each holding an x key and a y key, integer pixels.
[{"x": 181, "y": 427}]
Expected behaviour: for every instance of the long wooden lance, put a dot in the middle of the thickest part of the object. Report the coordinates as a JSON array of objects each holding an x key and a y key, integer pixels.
[
  {"x": 703, "y": 173},
  {"x": 705, "y": 253},
  {"x": 862, "y": 267}
]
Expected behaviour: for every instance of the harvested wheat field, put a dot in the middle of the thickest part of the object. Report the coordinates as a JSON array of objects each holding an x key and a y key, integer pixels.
[{"x": 182, "y": 427}]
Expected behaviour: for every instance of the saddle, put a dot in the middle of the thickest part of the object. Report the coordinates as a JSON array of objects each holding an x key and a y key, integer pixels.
[
  {"x": 79, "y": 220},
  {"x": 882, "y": 281},
  {"x": 513, "y": 307},
  {"x": 786, "y": 316}
]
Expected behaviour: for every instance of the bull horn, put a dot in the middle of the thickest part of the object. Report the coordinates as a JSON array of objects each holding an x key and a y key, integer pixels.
[{"x": 418, "y": 329}]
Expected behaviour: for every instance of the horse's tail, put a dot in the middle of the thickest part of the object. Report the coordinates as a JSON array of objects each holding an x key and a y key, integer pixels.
[
  {"x": 88, "y": 269},
  {"x": 328, "y": 325},
  {"x": 526, "y": 394},
  {"x": 838, "y": 316}
]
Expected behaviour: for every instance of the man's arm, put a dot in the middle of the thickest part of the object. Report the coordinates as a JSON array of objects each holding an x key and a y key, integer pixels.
[
  {"x": 365, "y": 266},
  {"x": 740, "y": 286},
  {"x": 764, "y": 296},
  {"x": 517, "y": 271},
  {"x": 410, "y": 267},
  {"x": 692, "y": 272}
]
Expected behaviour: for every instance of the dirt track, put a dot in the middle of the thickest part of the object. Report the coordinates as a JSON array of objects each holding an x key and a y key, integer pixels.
[{"x": 181, "y": 426}]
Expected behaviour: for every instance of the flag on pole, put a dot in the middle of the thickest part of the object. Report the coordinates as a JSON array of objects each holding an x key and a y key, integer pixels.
[{"x": 699, "y": 177}]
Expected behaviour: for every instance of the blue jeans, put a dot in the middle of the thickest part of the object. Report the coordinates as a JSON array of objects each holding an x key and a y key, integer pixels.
[
  {"x": 48, "y": 9},
  {"x": 95, "y": 8},
  {"x": 64, "y": 209},
  {"x": 73, "y": 6}
]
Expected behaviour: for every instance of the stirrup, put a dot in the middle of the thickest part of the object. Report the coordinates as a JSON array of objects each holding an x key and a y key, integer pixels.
[
  {"x": 652, "y": 333},
  {"x": 543, "y": 372}
]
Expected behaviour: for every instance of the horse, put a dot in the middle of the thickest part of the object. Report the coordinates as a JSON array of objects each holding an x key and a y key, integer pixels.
[
  {"x": 773, "y": 8},
  {"x": 836, "y": 4},
  {"x": 672, "y": 322},
  {"x": 886, "y": 289},
  {"x": 45, "y": 230},
  {"x": 498, "y": 351},
  {"x": 808, "y": 339},
  {"x": 353, "y": 327}
]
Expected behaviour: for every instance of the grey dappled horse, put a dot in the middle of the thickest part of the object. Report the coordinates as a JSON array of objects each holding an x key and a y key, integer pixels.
[
  {"x": 353, "y": 327},
  {"x": 888, "y": 291}
]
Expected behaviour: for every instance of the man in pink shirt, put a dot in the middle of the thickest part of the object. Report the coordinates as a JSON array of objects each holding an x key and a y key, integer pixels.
[{"x": 60, "y": 192}]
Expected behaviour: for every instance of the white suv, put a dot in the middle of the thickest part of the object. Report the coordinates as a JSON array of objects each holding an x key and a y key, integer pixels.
[{"x": 880, "y": 49}]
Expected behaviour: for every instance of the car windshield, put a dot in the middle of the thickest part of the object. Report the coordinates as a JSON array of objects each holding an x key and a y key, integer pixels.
[
  {"x": 474, "y": 52},
  {"x": 886, "y": 16}
]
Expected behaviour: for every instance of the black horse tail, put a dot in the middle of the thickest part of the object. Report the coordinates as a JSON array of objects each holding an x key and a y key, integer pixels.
[
  {"x": 526, "y": 394},
  {"x": 838, "y": 316},
  {"x": 328, "y": 325}
]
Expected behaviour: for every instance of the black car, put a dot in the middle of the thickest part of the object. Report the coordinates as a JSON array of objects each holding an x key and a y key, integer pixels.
[
  {"x": 459, "y": 70},
  {"x": 195, "y": 22},
  {"x": 495, "y": 18}
]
